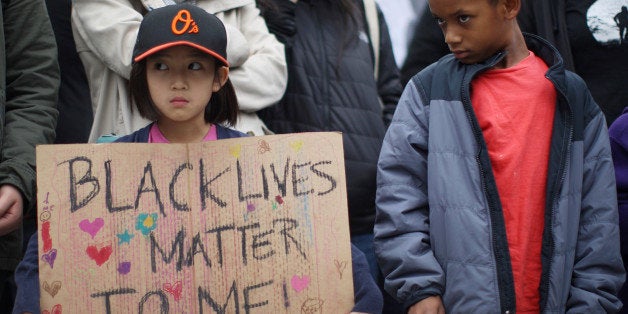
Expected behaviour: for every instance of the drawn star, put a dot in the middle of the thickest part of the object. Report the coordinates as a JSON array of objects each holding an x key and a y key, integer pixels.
[{"x": 125, "y": 237}]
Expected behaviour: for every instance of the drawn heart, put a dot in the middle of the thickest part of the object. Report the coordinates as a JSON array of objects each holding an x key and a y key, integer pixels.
[
  {"x": 52, "y": 289},
  {"x": 50, "y": 257},
  {"x": 296, "y": 146},
  {"x": 279, "y": 199},
  {"x": 55, "y": 310},
  {"x": 235, "y": 151},
  {"x": 263, "y": 147},
  {"x": 124, "y": 268},
  {"x": 250, "y": 207},
  {"x": 175, "y": 289},
  {"x": 300, "y": 283},
  {"x": 340, "y": 266},
  {"x": 100, "y": 256},
  {"x": 91, "y": 227}
]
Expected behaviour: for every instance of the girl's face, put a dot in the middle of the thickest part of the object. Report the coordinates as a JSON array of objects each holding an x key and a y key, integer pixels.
[{"x": 181, "y": 80}]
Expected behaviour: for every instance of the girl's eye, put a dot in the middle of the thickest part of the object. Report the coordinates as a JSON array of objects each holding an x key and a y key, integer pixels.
[
  {"x": 194, "y": 66},
  {"x": 464, "y": 18},
  {"x": 439, "y": 21},
  {"x": 161, "y": 66}
]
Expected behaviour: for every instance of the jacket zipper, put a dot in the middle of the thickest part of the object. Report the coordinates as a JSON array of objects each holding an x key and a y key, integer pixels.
[
  {"x": 507, "y": 303},
  {"x": 556, "y": 192},
  {"x": 325, "y": 91}
]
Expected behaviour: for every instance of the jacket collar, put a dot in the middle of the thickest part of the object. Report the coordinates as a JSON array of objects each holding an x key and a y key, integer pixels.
[
  {"x": 550, "y": 55},
  {"x": 542, "y": 48}
]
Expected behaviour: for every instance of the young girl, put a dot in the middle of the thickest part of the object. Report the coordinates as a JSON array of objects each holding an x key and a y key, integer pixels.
[
  {"x": 179, "y": 80},
  {"x": 105, "y": 33}
]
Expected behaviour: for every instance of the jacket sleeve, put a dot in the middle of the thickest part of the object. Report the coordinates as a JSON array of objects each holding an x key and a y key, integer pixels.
[
  {"x": 260, "y": 80},
  {"x": 109, "y": 29},
  {"x": 366, "y": 294},
  {"x": 402, "y": 229},
  {"x": 32, "y": 83},
  {"x": 598, "y": 271},
  {"x": 388, "y": 82},
  {"x": 27, "y": 280}
]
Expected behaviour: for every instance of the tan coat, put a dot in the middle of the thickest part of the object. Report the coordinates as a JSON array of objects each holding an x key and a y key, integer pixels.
[{"x": 105, "y": 33}]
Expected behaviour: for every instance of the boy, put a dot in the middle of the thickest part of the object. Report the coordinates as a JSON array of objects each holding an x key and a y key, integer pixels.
[{"x": 496, "y": 191}]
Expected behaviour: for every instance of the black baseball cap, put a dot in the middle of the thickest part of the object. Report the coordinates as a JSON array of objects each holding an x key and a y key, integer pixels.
[{"x": 181, "y": 24}]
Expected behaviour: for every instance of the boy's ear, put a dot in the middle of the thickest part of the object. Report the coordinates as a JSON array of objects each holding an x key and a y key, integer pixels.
[
  {"x": 222, "y": 74},
  {"x": 512, "y": 8}
]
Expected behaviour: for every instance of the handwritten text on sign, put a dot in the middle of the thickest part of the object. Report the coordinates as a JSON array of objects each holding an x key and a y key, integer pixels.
[{"x": 245, "y": 225}]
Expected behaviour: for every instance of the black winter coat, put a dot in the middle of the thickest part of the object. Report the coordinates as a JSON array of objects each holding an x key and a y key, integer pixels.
[{"x": 331, "y": 87}]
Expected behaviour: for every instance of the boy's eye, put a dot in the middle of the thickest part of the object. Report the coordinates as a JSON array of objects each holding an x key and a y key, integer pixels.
[
  {"x": 161, "y": 66},
  {"x": 194, "y": 66},
  {"x": 439, "y": 20},
  {"x": 464, "y": 18}
]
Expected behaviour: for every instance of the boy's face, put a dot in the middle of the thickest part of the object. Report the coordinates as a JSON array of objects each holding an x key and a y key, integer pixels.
[{"x": 474, "y": 29}]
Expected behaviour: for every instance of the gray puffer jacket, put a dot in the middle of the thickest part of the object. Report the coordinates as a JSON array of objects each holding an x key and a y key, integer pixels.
[{"x": 440, "y": 229}]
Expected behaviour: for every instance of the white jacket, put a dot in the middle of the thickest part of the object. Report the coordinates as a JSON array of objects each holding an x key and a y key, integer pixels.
[{"x": 105, "y": 33}]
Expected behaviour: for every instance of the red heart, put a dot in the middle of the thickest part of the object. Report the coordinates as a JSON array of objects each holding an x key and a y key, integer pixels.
[
  {"x": 174, "y": 290},
  {"x": 55, "y": 310},
  {"x": 100, "y": 256}
]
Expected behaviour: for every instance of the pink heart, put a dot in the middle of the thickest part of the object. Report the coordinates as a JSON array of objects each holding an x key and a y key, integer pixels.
[
  {"x": 50, "y": 257},
  {"x": 92, "y": 227},
  {"x": 300, "y": 283}
]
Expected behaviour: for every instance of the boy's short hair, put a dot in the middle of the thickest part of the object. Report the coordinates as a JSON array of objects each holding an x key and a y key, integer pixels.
[{"x": 221, "y": 109}]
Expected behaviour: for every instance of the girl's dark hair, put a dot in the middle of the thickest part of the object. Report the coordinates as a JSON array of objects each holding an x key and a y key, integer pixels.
[{"x": 221, "y": 109}]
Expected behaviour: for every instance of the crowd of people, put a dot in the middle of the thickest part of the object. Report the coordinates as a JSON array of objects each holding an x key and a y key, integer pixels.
[{"x": 485, "y": 149}]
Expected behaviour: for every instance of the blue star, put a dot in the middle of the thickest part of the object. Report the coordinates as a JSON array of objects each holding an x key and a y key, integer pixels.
[{"x": 125, "y": 237}]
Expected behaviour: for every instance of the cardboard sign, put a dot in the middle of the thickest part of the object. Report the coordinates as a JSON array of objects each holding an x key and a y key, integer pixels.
[{"x": 249, "y": 225}]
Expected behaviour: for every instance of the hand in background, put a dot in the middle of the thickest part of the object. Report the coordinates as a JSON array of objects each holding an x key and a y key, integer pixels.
[
  {"x": 11, "y": 208},
  {"x": 429, "y": 305}
]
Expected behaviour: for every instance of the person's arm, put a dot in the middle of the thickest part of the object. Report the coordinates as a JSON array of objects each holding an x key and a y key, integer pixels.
[
  {"x": 367, "y": 296},
  {"x": 402, "y": 229},
  {"x": 598, "y": 272},
  {"x": 261, "y": 75},
  {"x": 388, "y": 82},
  {"x": 109, "y": 29},
  {"x": 27, "y": 280},
  {"x": 32, "y": 83}
]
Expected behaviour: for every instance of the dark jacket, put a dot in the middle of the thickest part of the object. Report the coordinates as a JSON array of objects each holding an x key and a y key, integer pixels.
[
  {"x": 440, "y": 228},
  {"x": 331, "y": 87},
  {"x": 29, "y": 82},
  {"x": 618, "y": 134},
  {"x": 539, "y": 17}
]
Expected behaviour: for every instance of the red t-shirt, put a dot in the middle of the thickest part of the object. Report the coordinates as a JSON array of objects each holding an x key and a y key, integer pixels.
[{"x": 515, "y": 109}]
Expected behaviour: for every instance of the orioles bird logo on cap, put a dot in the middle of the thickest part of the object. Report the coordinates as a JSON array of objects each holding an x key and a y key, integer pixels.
[{"x": 189, "y": 25}]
